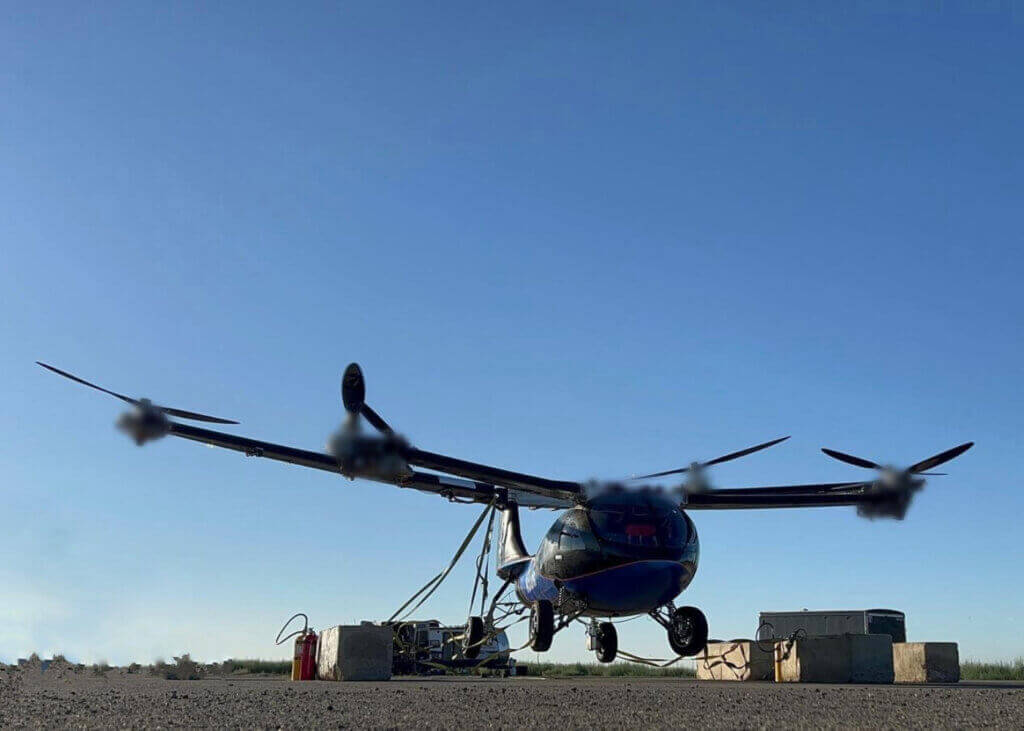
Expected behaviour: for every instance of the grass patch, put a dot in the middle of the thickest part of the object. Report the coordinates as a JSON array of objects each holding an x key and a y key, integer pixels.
[
  {"x": 184, "y": 668},
  {"x": 611, "y": 670},
  {"x": 260, "y": 667},
  {"x": 1012, "y": 670}
]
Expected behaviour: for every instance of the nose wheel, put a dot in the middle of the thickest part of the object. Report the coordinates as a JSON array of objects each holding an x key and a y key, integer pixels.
[
  {"x": 542, "y": 625},
  {"x": 687, "y": 631},
  {"x": 603, "y": 640}
]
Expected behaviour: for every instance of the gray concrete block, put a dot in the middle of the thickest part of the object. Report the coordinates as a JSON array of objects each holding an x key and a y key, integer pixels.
[
  {"x": 815, "y": 660},
  {"x": 355, "y": 652},
  {"x": 737, "y": 660},
  {"x": 871, "y": 658},
  {"x": 837, "y": 659},
  {"x": 926, "y": 662}
]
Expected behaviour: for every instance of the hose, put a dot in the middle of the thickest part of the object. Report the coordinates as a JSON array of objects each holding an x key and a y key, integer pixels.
[{"x": 304, "y": 630}]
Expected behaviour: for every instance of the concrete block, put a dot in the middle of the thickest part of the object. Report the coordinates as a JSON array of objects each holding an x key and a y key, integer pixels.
[
  {"x": 814, "y": 660},
  {"x": 926, "y": 662},
  {"x": 736, "y": 660},
  {"x": 871, "y": 658},
  {"x": 836, "y": 659},
  {"x": 355, "y": 652}
]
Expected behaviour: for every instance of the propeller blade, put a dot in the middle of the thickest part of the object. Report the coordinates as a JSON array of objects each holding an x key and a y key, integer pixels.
[
  {"x": 353, "y": 388},
  {"x": 353, "y": 395},
  {"x": 181, "y": 413},
  {"x": 59, "y": 372},
  {"x": 716, "y": 460},
  {"x": 374, "y": 418},
  {"x": 850, "y": 459},
  {"x": 661, "y": 474},
  {"x": 744, "y": 452},
  {"x": 940, "y": 458}
]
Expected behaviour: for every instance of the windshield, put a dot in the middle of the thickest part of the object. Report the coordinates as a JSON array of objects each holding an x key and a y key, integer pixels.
[{"x": 640, "y": 525}]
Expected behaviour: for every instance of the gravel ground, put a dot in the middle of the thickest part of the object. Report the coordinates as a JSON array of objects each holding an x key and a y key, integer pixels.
[{"x": 84, "y": 699}]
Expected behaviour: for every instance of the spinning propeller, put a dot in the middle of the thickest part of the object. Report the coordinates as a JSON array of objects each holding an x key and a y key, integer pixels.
[
  {"x": 896, "y": 487},
  {"x": 918, "y": 468},
  {"x": 366, "y": 456},
  {"x": 142, "y": 404},
  {"x": 696, "y": 481}
]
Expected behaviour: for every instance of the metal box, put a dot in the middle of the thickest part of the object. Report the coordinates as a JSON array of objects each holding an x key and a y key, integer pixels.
[{"x": 781, "y": 625}]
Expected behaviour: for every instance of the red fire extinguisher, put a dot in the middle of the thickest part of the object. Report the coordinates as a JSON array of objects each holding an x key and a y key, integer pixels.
[{"x": 304, "y": 658}]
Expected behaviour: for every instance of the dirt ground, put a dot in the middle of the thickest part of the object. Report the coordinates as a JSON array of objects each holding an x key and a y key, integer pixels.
[{"x": 86, "y": 699}]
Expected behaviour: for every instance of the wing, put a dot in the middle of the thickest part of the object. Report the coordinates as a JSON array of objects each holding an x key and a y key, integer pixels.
[
  {"x": 873, "y": 499},
  {"x": 556, "y": 489},
  {"x": 518, "y": 487}
]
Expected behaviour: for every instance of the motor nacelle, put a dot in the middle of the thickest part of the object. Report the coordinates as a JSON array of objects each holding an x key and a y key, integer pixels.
[
  {"x": 891, "y": 495},
  {"x": 144, "y": 423},
  {"x": 375, "y": 458}
]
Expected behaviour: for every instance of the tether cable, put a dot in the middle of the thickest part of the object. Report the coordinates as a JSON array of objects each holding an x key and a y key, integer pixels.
[{"x": 431, "y": 586}]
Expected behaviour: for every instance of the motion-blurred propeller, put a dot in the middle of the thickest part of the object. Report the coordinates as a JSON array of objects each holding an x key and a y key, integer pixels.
[
  {"x": 918, "y": 468},
  {"x": 895, "y": 487}
]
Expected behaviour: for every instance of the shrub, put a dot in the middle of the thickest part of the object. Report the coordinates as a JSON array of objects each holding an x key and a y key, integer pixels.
[
  {"x": 974, "y": 670},
  {"x": 184, "y": 668}
]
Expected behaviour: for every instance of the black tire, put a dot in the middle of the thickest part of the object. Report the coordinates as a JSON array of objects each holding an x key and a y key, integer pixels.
[
  {"x": 688, "y": 632},
  {"x": 471, "y": 640},
  {"x": 542, "y": 625},
  {"x": 606, "y": 642}
]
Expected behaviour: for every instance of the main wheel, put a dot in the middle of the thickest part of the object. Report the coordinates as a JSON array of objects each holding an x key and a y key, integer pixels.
[
  {"x": 606, "y": 642},
  {"x": 688, "y": 632},
  {"x": 542, "y": 625},
  {"x": 472, "y": 639}
]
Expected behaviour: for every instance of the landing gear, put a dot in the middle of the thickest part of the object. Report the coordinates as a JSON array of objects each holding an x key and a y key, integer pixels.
[
  {"x": 542, "y": 625},
  {"x": 687, "y": 631},
  {"x": 603, "y": 640},
  {"x": 473, "y": 638}
]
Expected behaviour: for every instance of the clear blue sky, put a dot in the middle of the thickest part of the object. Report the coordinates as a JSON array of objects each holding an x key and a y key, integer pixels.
[{"x": 584, "y": 241}]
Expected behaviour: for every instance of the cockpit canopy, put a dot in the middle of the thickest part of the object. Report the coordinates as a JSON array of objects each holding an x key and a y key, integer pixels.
[{"x": 617, "y": 528}]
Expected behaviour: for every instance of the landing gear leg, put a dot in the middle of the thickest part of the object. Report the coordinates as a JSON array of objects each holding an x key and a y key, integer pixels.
[
  {"x": 603, "y": 640},
  {"x": 473, "y": 638},
  {"x": 542, "y": 625}
]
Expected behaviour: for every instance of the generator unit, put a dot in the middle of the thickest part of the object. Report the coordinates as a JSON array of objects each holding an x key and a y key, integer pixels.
[
  {"x": 780, "y": 625},
  {"x": 427, "y": 646}
]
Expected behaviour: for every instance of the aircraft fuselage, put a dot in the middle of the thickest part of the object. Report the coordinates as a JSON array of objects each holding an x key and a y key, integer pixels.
[{"x": 621, "y": 554}]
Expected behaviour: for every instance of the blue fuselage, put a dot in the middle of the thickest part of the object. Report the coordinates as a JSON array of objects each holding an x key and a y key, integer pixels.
[{"x": 619, "y": 555}]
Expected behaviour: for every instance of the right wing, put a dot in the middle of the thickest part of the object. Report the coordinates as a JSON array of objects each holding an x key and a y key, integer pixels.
[{"x": 517, "y": 487}]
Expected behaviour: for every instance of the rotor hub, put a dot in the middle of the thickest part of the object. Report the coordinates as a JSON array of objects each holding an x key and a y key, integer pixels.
[{"x": 144, "y": 423}]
